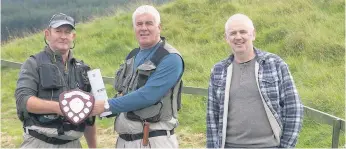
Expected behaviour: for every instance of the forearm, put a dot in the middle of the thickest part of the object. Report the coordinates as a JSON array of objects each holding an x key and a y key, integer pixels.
[
  {"x": 90, "y": 136},
  {"x": 40, "y": 106},
  {"x": 211, "y": 133},
  {"x": 212, "y": 130},
  {"x": 293, "y": 110},
  {"x": 212, "y": 119},
  {"x": 292, "y": 126}
]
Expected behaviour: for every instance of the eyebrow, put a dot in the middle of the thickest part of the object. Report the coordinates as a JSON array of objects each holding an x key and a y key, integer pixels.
[{"x": 144, "y": 21}]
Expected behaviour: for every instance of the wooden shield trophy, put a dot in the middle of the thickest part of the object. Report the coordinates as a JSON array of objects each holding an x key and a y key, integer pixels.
[{"x": 76, "y": 105}]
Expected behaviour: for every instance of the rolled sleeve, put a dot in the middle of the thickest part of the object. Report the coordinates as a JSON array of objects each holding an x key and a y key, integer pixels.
[{"x": 27, "y": 85}]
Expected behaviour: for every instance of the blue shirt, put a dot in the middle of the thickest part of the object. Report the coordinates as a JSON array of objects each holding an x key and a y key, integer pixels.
[{"x": 164, "y": 78}]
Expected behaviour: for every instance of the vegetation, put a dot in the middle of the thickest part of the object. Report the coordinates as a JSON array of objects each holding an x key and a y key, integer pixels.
[
  {"x": 23, "y": 17},
  {"x": 308, "y": 35}
]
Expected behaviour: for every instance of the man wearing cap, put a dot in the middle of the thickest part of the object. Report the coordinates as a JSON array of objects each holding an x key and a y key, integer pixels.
[{"x": 43, "y": 77}]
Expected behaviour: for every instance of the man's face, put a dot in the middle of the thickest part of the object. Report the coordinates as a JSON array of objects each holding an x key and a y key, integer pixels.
[
  {"x": 147, "y": 30},
  {"x": 240, "y": 36},
  {"x": 60, "y": 38}
]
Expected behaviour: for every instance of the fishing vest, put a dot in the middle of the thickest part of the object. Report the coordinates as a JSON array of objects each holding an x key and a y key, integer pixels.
[
  {"x": 128, "y": 79},
  {"x": 52, "y": 82}
]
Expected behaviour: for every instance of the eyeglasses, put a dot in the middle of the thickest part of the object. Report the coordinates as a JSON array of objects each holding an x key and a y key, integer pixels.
[{"x": 61, "y": 16}]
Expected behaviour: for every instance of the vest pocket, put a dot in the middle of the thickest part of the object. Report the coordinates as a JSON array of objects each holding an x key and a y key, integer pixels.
[
  {"x": 50, "y": 76},
  {"x": 81, "y": 79},
  {"x": 150, "y": 114},
  {"x": 123, "y": 76},
  {"x": 143, "y": 76},
  {"x": 119, "y": 78}
]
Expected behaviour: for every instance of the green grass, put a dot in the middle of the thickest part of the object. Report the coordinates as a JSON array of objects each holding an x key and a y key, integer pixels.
[{"x": 308, "y": 35}]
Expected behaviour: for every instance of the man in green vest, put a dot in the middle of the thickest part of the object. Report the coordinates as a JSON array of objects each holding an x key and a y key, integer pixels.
[{"x": 149, "y": 87}]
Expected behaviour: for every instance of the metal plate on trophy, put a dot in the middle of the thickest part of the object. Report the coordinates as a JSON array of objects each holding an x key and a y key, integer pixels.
[{"x": 76, "y": 105}]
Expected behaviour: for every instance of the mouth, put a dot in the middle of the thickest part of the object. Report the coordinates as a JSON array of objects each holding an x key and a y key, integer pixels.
[
  {"x": 239, "y": 43},
  {"x": 143, "y": 35}
]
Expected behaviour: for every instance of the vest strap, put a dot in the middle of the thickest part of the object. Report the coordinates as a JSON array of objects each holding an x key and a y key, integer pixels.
[
  {"x": 133, "y": 53},
  {"x": 50, "y": 140},
  {"x": 158, "y": 55}
]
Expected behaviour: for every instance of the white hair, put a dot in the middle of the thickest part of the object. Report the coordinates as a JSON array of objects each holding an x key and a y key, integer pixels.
[
  {"x": 238, "y": 17},
  {"x": 146, "y": 9}
]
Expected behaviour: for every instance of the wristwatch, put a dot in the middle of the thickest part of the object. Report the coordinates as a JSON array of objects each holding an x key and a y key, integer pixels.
[
  {"x": 106, "y": 106},
  {"x": 107, "y": 110}
]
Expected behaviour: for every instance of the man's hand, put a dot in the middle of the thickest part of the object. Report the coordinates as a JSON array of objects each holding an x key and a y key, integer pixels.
[{"x": 98, "y": 107}]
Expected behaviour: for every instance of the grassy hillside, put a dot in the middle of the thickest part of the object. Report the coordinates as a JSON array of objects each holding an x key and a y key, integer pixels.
[{"x": 308, "y": 35}]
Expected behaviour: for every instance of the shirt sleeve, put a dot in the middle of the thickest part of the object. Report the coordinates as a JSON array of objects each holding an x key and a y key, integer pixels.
[
  {"x": 167, "y": 73},
  {"x": 27, "y": 85},
  {"x": 212, "y": 116},
  {"x": 292, "y": 109}
]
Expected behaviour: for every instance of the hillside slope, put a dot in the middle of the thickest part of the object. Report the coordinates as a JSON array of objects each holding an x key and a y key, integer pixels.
[{"x": 308, "y": 35}]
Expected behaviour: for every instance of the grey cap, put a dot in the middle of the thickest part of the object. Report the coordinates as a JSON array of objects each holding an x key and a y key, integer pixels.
[{"x": 61, "y": 19}]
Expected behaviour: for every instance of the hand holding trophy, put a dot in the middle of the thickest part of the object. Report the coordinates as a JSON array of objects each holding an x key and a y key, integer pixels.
[{"x": 76, "y": 105}]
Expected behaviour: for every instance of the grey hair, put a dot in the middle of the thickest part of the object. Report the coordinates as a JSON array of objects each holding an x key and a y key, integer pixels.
[
  {"x": 146, "y": 9},
  {"x": 237, "y": 17}
]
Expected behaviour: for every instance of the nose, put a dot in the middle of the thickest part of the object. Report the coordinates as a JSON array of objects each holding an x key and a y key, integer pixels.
[
  {"x": 63, "y": 35},
  {"x": 237, "y": 36},
  {"x": 144, "y": 27}
]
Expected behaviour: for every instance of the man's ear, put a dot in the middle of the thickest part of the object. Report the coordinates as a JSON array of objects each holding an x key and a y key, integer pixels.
[
  {"x": 73, "y": 35},
  {"x": 254, "y": 35},
  {"x": 46, "y": 33},
  {"x": 159, "y": 26},
  {"x": 226, "y": 38}
]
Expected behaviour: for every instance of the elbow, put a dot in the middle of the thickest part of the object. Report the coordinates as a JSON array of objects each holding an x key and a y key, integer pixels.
[{"x": 21, "y": 100}]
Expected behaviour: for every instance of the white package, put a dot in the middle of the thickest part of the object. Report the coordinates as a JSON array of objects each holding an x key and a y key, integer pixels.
[{"x": 98, "y": 88}]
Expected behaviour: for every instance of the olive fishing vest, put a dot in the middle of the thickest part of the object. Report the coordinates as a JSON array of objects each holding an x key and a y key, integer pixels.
[
  {"x": 128, "y": 79},
  {"x": 53, "y": 80}
]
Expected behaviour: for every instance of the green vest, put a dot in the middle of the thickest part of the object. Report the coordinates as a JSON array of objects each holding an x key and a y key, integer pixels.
[
  {"x": 54, "y": 81},
  {"x": 128, "y": 79}
]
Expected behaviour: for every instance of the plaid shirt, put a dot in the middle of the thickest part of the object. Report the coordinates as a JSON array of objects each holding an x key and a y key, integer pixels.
[{"x": 277, "y": 89}]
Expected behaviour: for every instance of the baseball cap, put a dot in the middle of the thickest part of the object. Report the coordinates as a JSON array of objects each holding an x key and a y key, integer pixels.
[{"x": 61, "y": 19}]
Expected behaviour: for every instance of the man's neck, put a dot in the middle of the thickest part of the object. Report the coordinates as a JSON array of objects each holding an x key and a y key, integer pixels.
[
  {"x": 149, "y": 47},
  {"x": 63, "y": 55},
  {"x": 244, "y": 57}
]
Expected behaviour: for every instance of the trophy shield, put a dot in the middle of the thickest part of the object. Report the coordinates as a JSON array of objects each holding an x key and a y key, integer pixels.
[{"x": 76, "y": 105}]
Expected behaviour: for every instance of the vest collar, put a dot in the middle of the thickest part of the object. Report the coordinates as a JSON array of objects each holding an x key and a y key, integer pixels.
[{"x": 56, "y": 56}]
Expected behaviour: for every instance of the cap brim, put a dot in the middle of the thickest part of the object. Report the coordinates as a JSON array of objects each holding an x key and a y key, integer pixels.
[{"x": 59, "y": 23}]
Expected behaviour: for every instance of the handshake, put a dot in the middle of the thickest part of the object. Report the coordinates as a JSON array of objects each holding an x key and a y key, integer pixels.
[{"x": 77, "y": 105}]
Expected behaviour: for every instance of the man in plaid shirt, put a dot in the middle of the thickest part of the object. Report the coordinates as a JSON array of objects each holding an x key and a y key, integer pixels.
[{"x": 252, "y": 99}]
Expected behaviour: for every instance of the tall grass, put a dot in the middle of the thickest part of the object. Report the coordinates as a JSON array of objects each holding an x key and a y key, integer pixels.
[{"x": 308, "y": 35}]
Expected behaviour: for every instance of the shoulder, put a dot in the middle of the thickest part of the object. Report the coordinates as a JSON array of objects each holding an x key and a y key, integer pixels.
[
  {"x": 170, "y": 48},
  {"x": 30, "y": 63},
  {"x": 269, "y": 58},
  {"x": 219, "y": 66},
  {"x": 81, "y": 63},
  {"x": 29, "y": 67},
  {"x": 172, "y": 59}
]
